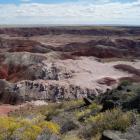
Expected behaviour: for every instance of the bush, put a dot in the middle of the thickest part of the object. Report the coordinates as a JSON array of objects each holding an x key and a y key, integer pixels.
[
  {"x": 71, "y": 137},
  {"x": 112, "y": 119},
  {"x": 72, "y": 104},
  {"x": 53, "y": 127},
  {"x": 91, "y": 108},
  {"x": 82, "y": 113},
  {"x": 24, "y": 128},
  {"x": 94, "y": 106},
  {"x": 125, "y": 83}
]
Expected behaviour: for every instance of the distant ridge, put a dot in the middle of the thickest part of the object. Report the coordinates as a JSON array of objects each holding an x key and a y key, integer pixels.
[{"x": 65, "y": 25}]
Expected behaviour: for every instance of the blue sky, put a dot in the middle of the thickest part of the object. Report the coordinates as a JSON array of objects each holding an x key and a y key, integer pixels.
[
  {"x": 70, "y": 12},
  {"x": 35, "y": 1},
  {"x": 51, "y": 1}
]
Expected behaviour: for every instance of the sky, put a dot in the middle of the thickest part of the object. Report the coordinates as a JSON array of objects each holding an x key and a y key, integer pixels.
[{"x": 84, "y": 12}]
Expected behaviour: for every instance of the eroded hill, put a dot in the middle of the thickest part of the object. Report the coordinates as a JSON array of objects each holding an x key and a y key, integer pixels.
[{"x": 62, "y": 63}]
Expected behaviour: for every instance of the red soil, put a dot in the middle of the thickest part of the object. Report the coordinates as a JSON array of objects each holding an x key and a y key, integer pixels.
[
  {"x": 5, "y": 109},
  {"x": 107, "y": 81},
  {"x": 128, "y": 68},
  {"x": 3, "y": 72},
  {"x": 11, "y": 73}
]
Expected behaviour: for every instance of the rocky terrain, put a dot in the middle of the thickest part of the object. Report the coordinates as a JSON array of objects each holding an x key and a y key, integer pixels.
[
  {"x": 113, "y": 115},
  {"x": 60, "y": 64}
]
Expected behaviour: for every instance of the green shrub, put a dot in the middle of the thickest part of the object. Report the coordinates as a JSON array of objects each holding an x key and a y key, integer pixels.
[
  {"x": 70, "y": 137},
  {"x": 138, "y": 90},
  {"x": 112, "y": 119},
  {"x": 89, "y": 109},
  {"x": 125, "y": 83},
  {"x": 82, "y": 113},
  {"x": 72, "y": 103},
  {"x": 94, "y": 106}
]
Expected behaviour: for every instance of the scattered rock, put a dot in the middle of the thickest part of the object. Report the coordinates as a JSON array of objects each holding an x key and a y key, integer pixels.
[
  {"x": 110, "y": 135},
  {"x": 68, "y": 126},
  {"x": 132, "y": 133}
]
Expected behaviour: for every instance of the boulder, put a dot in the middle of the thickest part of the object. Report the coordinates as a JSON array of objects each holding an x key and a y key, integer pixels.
[{"x": 110, "y": 135}]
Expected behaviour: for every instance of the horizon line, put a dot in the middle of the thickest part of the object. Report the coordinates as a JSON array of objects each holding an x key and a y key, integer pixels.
[{"x": 39, "y": 25}]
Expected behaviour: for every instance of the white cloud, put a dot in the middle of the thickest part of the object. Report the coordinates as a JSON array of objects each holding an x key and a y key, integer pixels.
[{"x": 81, "y": 12}]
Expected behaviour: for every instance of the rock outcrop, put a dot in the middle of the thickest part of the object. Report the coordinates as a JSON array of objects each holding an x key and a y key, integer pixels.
[
  {"x": 14, "y": 93},
  {"x": 26, "y": 66}
]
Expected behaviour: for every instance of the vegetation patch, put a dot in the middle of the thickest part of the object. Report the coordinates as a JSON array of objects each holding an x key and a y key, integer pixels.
[
  {"x": 22, "y": 129},
  {"x": 75, "y": 120}
]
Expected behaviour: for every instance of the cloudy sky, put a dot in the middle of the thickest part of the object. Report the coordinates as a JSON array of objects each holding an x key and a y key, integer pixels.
[{"x": 126, "y": 12}]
